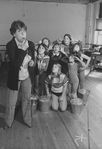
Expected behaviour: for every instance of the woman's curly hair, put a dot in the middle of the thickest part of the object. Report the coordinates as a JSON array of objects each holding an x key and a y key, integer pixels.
[{"x": 17, "y": 25}]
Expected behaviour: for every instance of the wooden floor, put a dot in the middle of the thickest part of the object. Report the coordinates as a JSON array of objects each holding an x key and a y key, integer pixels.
[{"x": 57, "y": 130}]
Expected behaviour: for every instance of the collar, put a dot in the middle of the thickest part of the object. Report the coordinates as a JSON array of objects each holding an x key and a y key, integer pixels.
[
  {"x": 18, "y": 43},
  {"x": 56, "y": 54},
  {"x": 39, "y": 57}
]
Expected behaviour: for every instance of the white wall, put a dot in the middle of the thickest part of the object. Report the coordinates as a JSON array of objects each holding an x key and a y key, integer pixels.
[{"x": 43, "y": 19}]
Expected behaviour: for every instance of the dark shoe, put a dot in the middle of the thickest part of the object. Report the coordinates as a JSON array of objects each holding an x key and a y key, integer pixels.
[
  {"x": 30, "y": 126},
  {"x": 6, "y": 127},
  {"x": 17, "y": 109}
]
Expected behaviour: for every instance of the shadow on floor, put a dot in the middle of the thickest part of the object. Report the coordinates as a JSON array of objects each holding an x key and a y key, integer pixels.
[
  {"x": 2, "y": 109},
  {"x": 69, "y": 108},
  {"x": 2, "y": 122},
  {"x": 2, "y": 112},
  {"x": 18, "y": 115}
]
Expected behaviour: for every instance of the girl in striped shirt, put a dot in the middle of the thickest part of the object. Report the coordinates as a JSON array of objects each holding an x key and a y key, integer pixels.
[{"x": 58, "y": 83}]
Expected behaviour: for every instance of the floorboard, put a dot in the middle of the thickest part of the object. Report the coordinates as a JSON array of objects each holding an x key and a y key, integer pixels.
[{"x": 56, "y": 129}]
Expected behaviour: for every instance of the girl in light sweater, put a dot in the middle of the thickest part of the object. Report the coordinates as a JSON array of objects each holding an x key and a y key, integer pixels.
[{"x": 42, "y": 62}]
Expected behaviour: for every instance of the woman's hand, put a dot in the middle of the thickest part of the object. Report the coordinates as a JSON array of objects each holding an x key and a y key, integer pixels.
[
  {"x": 82, "y": 68},
  {"x": 48, "y": 95},
  {"x": 43, "y": 65},
  {"x": 81, "y": 62},
  {"x": 76, "y": 58},
  {"x": 31, "y": 63}
]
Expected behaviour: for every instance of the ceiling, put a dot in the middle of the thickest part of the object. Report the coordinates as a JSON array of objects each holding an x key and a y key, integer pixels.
[{"x": 66, "y": 1}]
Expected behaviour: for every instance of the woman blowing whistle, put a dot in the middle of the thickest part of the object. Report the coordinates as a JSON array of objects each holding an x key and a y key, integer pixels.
[{"x": 20, "y": 75}]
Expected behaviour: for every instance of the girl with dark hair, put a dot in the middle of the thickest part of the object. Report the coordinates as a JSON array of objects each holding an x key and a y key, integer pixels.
[
  {"x": 42, "y": 61},
  {"x": 73, "y": 77},
  {"x": 56, "y": 56},
  {"x": 46, "y": 41},
  {"x": 66, "y": 44},
  {"x": 73, "y": 74},
  {"x": 58, "y": 82},
  {"x": 48, "y": 44},
  {"x": 77, "y": 51}
]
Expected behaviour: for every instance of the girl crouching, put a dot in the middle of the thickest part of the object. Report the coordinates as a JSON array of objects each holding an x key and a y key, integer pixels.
[{"x": 58, "y": 83}]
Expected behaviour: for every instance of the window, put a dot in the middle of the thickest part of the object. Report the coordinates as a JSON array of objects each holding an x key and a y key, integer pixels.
[
  {"x": 100, "y": 11},
  {"x": 99, "y": 40}
]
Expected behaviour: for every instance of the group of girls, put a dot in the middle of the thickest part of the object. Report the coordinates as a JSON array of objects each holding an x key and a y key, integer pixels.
[
  {"x": 59, "y": 70},
  {"x": 51, "y": 69}
]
